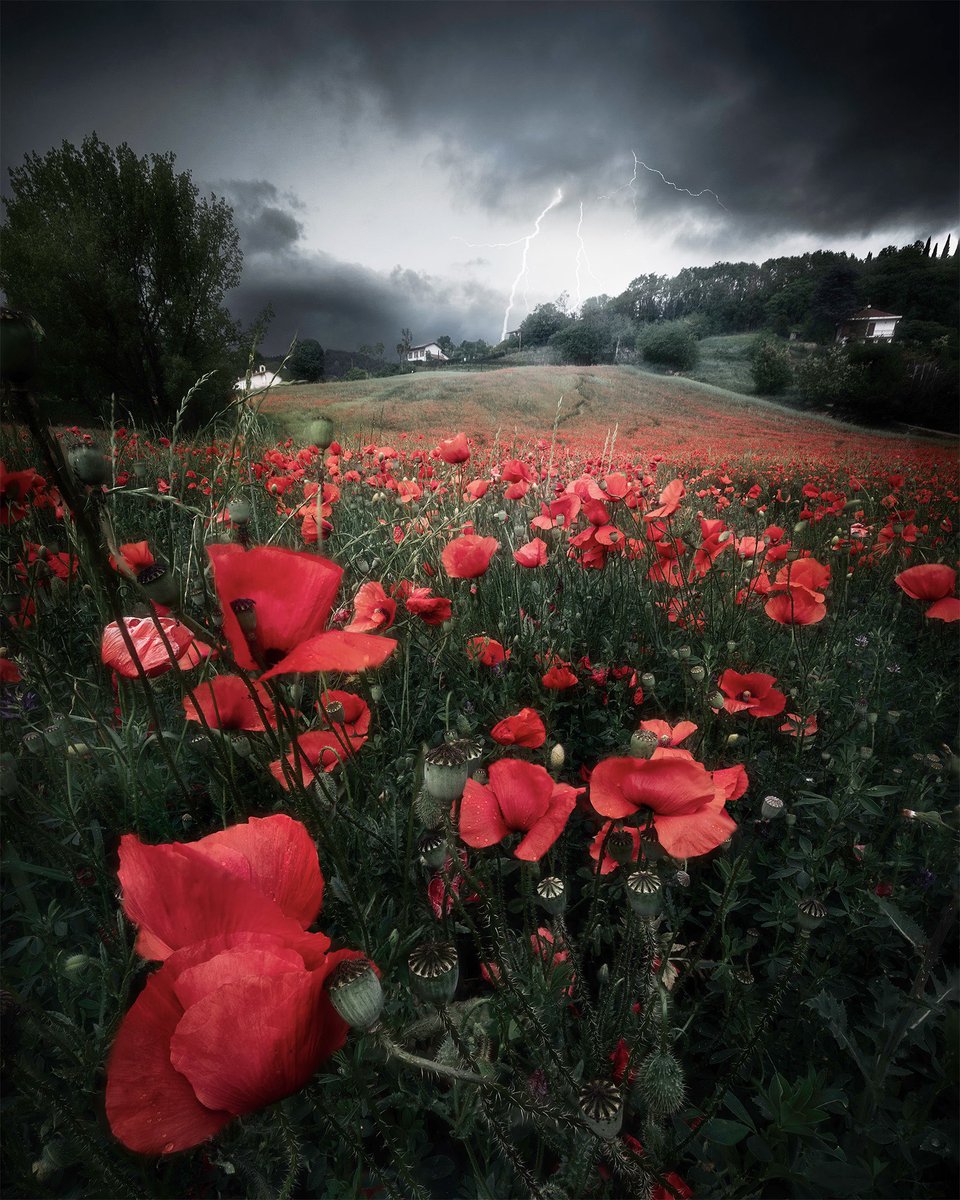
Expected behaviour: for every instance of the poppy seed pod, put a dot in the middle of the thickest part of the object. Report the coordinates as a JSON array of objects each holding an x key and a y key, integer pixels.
[
  {"x": 698, "y": 673},
  {"x": 434, "y": 972},
  {"x": 446, "y": 768},
  {"x": 602, "y": 1107},
  {"x": 355, "y": 992},
  {"x": 644, "y": 893},
  {"x": 620, "y": 846},
  {"x": 89, "y": 466},
  {"x": 159, "y": 584},
  {"x": 643, "y": 743},
  {"x": 239, "y": 511},
  {"x": 552, "y": 894},
  {"x": 246, "y": 613},
  {"x": 772, "y": 807},
  {"x": 432, "y": 848},
  {"x": 811, "y": 914},
  {"x": 648, "y": 681}
]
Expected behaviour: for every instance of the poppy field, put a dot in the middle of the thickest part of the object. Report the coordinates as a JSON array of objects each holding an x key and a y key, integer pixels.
[{"x": 445, "y": 814}]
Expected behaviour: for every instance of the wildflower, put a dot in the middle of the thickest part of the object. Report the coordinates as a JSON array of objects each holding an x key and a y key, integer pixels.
[
  {"x": 533, "y": 554},
  {"x": 373, "y": 609},
  {"x": 227, "y": 916},
  {"x": 525, "y": 728},
  {"x": 454, "y": 449},
  {"x": 432, "y": 610},
  {"x": 469, "y": 556},
  {"x": 752, "y": 693},
  {"x": 158, "y": 644},
  {"x": 226, "y": 703},
  {"x": 487, "y": 651},
  {"x": 521, "y": 797}
]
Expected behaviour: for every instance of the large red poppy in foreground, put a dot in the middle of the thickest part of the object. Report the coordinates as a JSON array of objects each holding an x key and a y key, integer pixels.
[
  {"x": 687, "y": 804},
  {"x": 237, "y": 1017}
]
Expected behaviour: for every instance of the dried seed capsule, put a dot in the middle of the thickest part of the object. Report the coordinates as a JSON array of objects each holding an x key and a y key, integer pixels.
[
  {"x": 601, "y": 1107},
  {"x": 643, "y": 743},
  {"x": 811, "y": 914},
  {"x": 619, "y": 846},
  {"x": 355, "y": 992},
  {"x": 433, "y": 849},
  {"x": 434, "y": 972},
  {"x": 644, "y": 893},
  {"x": 552, "y": 894},
  {"x": 772, "y": 807}
]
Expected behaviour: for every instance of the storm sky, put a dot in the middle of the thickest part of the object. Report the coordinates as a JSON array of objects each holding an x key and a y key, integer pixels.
[{"x": 388, "y": 163}]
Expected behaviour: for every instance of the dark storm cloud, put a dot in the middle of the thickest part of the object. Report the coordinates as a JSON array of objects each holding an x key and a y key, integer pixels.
[
  {"x": 342, "y": 304},
  {"x": 261, "y": 215}
]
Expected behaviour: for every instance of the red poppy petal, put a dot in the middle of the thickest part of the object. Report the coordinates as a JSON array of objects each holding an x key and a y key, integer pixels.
[
  {"x": 546, "y": 831},
  {"x": 179, "y": 896},
  {"x": 523, "y": 791},
  {"x": 335, "y": 651},
  {"x": 278, "y": 857},
  {"x": 947, "y": 609},
  {"x": 231, "y": 965},
  {"x": 481, "y": 822},
  {"x": 284, "y": 1020},
  {"x": 606, "y": 787},
  {"x": 151, "y": 1107},
  {"x": 687, "y": 836}
]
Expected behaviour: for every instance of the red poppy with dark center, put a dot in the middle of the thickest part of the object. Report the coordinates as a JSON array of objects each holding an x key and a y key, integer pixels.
[
  {"x": 752, "y": 693},
  {"x": 227, "y": 915},
  {"x": 521, "y": 797},
  {"x": 320, "y": 750},
  {"x": 687, "y": 806},
  {"x": 346, "y": 709},
  {"x": 226, "y": 703},
  {"x": 469, "y": 556},
  {"x": 525, "y": 728},
  {"x": 285, "y": 597},
  {"x": 432, "y": 610},
  {"x": 373, "y": 609}
]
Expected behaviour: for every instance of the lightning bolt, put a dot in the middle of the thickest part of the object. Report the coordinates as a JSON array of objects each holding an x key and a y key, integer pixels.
[
  {"x": 521, "y": 274},
  {"x": 582, "y": 257},
  {"x": 631, "y": 182}
]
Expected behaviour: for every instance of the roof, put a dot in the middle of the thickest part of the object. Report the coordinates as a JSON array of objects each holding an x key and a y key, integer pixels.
[
  {"x": 873, "y": 314},
  {"x": 424, "y": 346}
]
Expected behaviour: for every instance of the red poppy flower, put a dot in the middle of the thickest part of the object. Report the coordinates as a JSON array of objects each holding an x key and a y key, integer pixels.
[
  {"x": 753, "y": 693},
  {"x": 149, "y": 646},
  {"x": 687, "y": 806},
  {"x": 668, "y": 735},
  {"x": 609, "y": 863},
  {"x": 947, "y": 609},
  {"x": 15, "y": 489},
  {"x": 136, "y": 555},
  {"x": 795, "y": 607},
  {"x": 286, "y": 597},
  {"x": 432, "y": 610},
  {"x": 319, "y": 750},
  {"x": 226, "y": 703},
  {"x": 525, "y": 728},
  {"x": 559, "y": 677},
  {"x": 353, "y": 712},
  {"x": 486, "y": 651},
  {"x": 553, "y": 955},
  {"x": 533, "y": 554},
  {"x": 469, "y": 556},
  {"x": 796, "y": 725},
  {"x": 227, "y": 914},
  {"x": 9, "y": 671},
  {"x": 670, "y": 499},
  {"x": 454, "y": 449},
  {"x": 476, "y": 489},
  {"x": 521, "y": 797},
  {"x": 928, "y": 581},
  {"x": 373, "y": 609}
]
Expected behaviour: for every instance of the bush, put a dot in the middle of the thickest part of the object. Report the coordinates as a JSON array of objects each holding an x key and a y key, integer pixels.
[
  {"x": 582, "y": 343},
  {"x": 770, "y": 367},
  {"x": 669, "y": 344},
  {"x": 355, "y": 374},
  {"x": 827, "y": 377}
]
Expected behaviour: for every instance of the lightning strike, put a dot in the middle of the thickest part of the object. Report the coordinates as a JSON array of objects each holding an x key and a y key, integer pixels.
[
  {"x": 582, "y": 257},
  {"x": 521, "y": 274},
  {"x": 631, "y": 184}
]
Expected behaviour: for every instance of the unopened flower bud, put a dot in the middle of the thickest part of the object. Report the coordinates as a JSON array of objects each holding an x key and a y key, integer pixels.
[
  {"x": 558, "y": 757},
  {"x": 75, "y": 964},
  {"x": 321, "y": 432},
  {"x": 660, "y": 1083}
]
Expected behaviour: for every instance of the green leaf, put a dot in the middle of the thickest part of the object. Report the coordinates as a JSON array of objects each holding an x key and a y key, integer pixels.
[
  {"x": 724, "y": 1133},
  {"x": 903, "y": 924}
]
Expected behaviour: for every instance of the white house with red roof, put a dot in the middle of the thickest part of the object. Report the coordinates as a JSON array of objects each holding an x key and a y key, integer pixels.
[{"x": 867, "y": 325}]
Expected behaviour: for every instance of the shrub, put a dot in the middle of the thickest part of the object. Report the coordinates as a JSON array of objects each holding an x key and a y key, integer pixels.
[
  {"x": 770, "y": 367},
  {"x": 669, "y": 344},
  {"x": 827, "y": 376},
  {"x": 355, "y": 374}
]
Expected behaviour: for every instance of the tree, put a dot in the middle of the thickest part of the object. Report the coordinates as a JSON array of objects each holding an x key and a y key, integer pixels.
[
  {"x": 403, "y": 346},
  {"x": 307, "y": 360},
  {"x": 770, "y": 367},
  {"x": 125, "y": 266},
  {"x": 539, "y": 327},
  {"x": 669, "y": 344}
]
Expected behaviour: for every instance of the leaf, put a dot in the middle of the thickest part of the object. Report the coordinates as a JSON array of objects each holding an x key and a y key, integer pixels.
[
  {"x": 724, "y": 1133},
  {"x": 903, "y": 924},
  {"x": 759, "y": 1149},
  {"x": 738, "y": 1110}
]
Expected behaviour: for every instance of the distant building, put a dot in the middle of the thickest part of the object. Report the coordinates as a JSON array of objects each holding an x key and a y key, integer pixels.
[
  {"x": 867, "y": 325},
  {"x": 260, "y": 378},
  {"x": 429, "y": 352}
]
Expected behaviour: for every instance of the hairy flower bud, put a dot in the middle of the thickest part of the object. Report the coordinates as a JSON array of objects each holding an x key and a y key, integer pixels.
[{"x": 660, "y": 1083}]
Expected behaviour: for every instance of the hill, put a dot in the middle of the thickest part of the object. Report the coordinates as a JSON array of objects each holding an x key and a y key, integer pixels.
[{"x": 590, "y": 405}]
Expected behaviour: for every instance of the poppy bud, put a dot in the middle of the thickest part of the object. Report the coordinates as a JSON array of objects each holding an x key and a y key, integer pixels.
[
  {"x": 376, "y": 692},
  {"x": 89, "y": 466},
  {"x": 355, "y": 992},
  {"x": 660, "y": 1083},
  {"x": 75, "y": 964},
  {"x": 620, "y": 846},
  {"x": 158, "y": 584},
  {"x": 644, "y": 893},
  {"x": 432, "y": 848},
  {"x": 429, "y": 809},
  {"x": 643, "y": 743},
  {"x": 772, "y": 807},
  {"x": 558, "y": 757},
  {"x": 434, "y": 972},
  {"x": 811, "y": 914},
  {"x": 732, "y": 739},
  {"x": 552, "y": 894},
  {"x": 602, "y": 1108}
]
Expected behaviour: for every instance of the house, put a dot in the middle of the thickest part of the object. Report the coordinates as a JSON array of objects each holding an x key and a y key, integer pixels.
[
  {"x": 260, "y": 378},
  {"x": 430, "y": 352},
  {"x": 867, "y": 325}
]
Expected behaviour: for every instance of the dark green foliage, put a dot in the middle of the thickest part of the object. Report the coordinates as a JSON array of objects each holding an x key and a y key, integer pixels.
[
  {"x": 668, "y": 344},
  {"x": 582, "y": 343},
  {"x": 539, "y": 327},
  {"x": 125, "y": 266},
  {"x": 770, "y": 367},
  {"x": 307, "y": 360}
]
